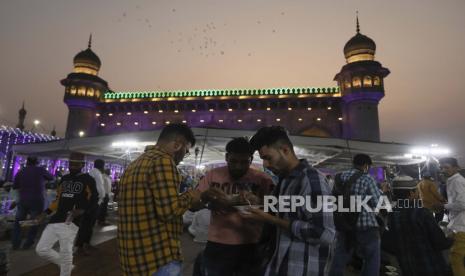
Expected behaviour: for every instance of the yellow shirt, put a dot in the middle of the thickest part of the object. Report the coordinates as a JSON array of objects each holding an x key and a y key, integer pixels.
[
  {"x": 429, "y": 194},
  {"x": 150, "y": 213}
]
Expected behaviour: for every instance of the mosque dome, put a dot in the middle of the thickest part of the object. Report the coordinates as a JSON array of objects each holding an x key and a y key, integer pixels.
[
  {"x": 360, "y": 47},
  {"x": 87, "y": 61}
]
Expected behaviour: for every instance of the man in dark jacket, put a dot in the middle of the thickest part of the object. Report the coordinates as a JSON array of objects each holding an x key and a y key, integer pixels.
[
  {"x": 30, "y": 183},
  {"x": 415, "y": 238},
  {"x": 74, "y": 195}
]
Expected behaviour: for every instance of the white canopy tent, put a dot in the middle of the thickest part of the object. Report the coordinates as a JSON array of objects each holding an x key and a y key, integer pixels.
[{"x": 331, "y": 153}]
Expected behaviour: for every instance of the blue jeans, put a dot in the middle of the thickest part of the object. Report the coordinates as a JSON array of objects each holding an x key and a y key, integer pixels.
[
  {"x": 367, "y": 246},
  {"x": 172, "y": 268},
  {"x": 25, "y": 208}
]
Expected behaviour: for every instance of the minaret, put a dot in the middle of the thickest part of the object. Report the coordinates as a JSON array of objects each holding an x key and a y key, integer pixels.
[
  {"x": 22, "y": 116},
  {"x": 83, "y": 91},
  {"x": 361, "y": 82}
]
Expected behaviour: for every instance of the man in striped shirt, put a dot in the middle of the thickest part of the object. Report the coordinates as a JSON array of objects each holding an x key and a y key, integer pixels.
[{"x": 303, "y": 238}]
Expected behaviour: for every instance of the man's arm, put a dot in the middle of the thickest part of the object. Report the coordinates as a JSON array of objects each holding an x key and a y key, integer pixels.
[
  {"x": 169, "y": 204},
  {"x": 372, "y": 190},
  {"x": 317, "y": 227},
  {"x": 83, "y": 200}
]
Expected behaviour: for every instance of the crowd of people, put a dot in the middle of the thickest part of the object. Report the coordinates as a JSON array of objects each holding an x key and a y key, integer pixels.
[
  {"x": 251, "y": 241},
  {"x": 243, "y": 237},
  {"x": 81, "y": 201}
]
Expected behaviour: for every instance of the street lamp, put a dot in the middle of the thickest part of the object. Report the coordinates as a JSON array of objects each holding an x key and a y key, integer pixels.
[
  {"x": 35, "y": 124},
  {"x": 81, "y": 133}
]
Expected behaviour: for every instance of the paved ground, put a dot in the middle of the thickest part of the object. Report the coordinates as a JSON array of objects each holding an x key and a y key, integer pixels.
[{"x": 103, "y": 261}]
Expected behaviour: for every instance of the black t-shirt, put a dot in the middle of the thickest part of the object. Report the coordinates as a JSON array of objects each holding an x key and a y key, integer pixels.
[{"x": 75, "y": 191}]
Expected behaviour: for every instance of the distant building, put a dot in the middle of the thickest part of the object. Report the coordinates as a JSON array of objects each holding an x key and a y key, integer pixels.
[
  {"x": 14, "y": 136},
  {"x": 349, "y": 110}
]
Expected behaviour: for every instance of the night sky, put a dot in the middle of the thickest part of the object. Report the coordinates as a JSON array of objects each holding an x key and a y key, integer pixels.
[{"x": 220, "y": 44}]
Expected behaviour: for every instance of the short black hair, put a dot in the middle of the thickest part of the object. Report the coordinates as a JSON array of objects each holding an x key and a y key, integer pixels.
[
  {"x": 362, "y": 159},
  {"x": 32, "y": 161},
  {"x": 269, "y": 136},
  {"x": 99, "y": 164},
  {"x": 172, "y": 130},
  {"x": 449, "y": 160},
  {"x": 239, "y": 145}
]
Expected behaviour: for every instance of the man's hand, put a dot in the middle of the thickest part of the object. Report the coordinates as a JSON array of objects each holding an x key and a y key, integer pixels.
[
  {"x": 249, "y": 197},
  {"x": 196, "y": 202},
  {"x": 385, "y": 187},
  {"x": 217, "y": 200}
]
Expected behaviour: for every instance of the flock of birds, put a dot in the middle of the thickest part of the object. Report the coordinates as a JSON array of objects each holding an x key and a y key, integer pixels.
[{"x": 201, "y": 39}]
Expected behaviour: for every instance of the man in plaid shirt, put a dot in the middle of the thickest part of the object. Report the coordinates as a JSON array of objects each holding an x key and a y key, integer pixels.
[
  {"x": 367, "y": 237},
  {"x": 150, "y": 206},
  {"x": 303, "y": 238}
]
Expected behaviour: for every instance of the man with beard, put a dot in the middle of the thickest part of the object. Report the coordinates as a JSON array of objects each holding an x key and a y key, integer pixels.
[
  {"x": 232, "y": 241},
  {"x": 150, "y": 207},
  {"x": 303, "y": 238}
]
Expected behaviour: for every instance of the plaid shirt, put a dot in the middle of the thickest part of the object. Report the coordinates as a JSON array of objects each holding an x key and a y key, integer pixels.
[
  {"x": 304, "y": 249},
  {"x": 365, "y": 186},
  {"x": 150, "y": 213}
]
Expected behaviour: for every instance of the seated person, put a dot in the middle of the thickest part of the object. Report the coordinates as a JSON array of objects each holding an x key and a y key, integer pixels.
[{"x": 414, "y": 237}]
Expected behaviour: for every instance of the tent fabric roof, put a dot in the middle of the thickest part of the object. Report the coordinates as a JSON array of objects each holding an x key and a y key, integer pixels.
[{"x": 330, "y": 153}]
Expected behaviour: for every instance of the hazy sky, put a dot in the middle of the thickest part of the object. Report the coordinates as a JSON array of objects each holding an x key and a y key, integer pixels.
[{"x": 153, "y": 45}]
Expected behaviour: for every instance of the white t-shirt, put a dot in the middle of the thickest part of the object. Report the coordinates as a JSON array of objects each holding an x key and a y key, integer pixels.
[
  {"x": 97, "y": 175},
  {"x": 456, "y": 202}
]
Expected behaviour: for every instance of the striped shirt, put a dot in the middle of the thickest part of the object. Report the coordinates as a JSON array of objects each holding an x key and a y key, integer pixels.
[
  {"x": 365, "y": 186},
  {"x": 304, "y": 249},
  {"x": 150, "y": 213}
]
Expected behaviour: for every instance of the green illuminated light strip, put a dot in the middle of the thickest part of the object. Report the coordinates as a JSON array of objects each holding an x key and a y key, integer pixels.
[{"x": 218, "y": 93}]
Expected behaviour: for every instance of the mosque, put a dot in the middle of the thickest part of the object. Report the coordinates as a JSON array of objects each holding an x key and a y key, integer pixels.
[{"x": 348, "y": 110}]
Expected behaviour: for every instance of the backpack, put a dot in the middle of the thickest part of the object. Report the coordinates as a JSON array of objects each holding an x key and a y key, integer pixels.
[{"x": 345, "y": 222}]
